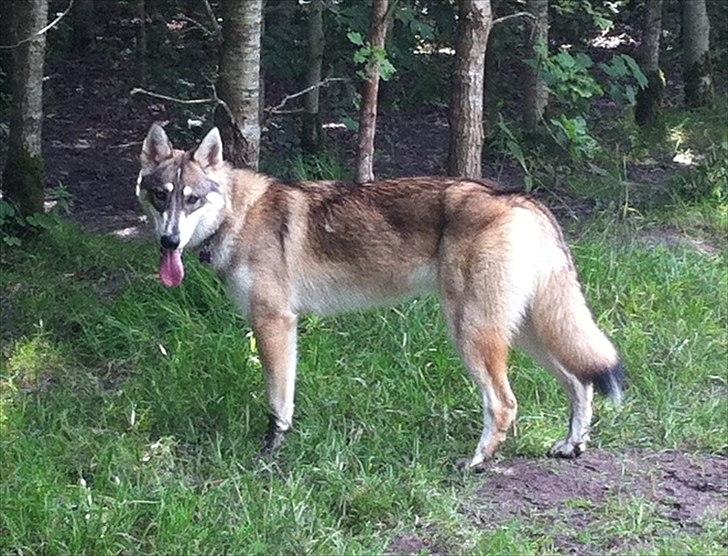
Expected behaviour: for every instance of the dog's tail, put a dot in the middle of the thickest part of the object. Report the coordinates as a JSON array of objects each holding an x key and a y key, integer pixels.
[{"x": 565, "y": 327}]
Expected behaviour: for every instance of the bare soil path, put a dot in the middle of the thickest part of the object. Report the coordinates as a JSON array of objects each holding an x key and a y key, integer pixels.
[{"x": 578, "y": 501}]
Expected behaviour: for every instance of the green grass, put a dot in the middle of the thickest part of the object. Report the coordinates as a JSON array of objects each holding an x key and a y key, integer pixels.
[{"x": 131, "y": 414}]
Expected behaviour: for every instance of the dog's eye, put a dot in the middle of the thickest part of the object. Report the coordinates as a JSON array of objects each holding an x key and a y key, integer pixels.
[{"x": 192, "y": 199}]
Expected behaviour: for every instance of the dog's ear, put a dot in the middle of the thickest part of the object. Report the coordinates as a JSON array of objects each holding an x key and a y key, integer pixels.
[
  {"x": 156, "y": 148},
  {"x": 209, "y": 153}
]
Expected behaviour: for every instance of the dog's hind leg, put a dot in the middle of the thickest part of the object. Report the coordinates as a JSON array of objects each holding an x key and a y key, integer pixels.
[
  {"x": 484, "y": 348},
  {"x": 275, "y": 333},
  {"x": 581, "y": 395}
]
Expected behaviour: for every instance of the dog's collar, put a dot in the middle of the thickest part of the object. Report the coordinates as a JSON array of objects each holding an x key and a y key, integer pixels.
[
  {"x": 205, "y": 255},
  {"x": 205, "y": 249}
]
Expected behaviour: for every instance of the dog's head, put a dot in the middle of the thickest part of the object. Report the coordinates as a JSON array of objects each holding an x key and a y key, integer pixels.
[{"x": 183, "y": 195}]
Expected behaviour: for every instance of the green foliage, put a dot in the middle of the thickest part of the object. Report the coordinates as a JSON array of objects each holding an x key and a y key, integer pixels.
[
  {"x": 368, "y": 55},
  {"x": 568, "y": 77},
  {"x": 600, "y": 16},
  {"x": 508, "y": 142},
  {"x": 14, "y": 226},
  {"x": 626, "y": 78},
  {"x": 573, "y": 135},
  {"x": 320, "y": 166}
]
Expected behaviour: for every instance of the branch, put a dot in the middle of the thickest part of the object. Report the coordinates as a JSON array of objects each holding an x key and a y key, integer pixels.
[
  {"x": 45, "y": 29},
  {"x": 513, "y": 16},
  {"x": 138, "y": 91},
  {"x": 277, "y": 108},
  {"x": 214, "y": 99},
  {"x": 213, "y": 19},
  {"x": 196, "y": 24}
]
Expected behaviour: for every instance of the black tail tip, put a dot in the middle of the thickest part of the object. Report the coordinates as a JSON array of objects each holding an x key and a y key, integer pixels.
[{"x": 612, "y": 382}]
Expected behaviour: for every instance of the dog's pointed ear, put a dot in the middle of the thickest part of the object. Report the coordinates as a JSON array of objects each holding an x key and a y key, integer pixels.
[
  {"x": 156, "y": 148},
  {"x": 209, "y": 153}
]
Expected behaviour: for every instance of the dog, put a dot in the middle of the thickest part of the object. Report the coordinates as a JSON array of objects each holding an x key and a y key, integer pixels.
[{"x": 497, "y": 258}]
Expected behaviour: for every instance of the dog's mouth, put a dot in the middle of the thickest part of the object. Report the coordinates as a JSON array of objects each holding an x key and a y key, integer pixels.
[{"x": 171, "y": 270}]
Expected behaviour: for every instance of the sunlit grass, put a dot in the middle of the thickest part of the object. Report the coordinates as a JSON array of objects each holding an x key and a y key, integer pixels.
[{"x": 131, "y": 414}]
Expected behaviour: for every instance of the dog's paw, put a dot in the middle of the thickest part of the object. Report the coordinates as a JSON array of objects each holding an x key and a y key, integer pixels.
[
  {"x": 467, "y": 465},
  {"x": 567, "y": 449}
]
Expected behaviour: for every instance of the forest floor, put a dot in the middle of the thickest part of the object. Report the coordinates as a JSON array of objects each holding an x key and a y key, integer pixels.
[{"x": 131, "y": 414}]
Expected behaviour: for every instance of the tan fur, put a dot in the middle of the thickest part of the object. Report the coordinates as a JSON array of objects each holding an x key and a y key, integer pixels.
[{"x": 497, "y": 258}]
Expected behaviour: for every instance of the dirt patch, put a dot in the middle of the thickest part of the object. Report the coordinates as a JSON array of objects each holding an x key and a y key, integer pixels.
[
  {"x": 567, "y": 497},
  {"x": 673, "y": 238},
  {"x": 414, "y": 544}
]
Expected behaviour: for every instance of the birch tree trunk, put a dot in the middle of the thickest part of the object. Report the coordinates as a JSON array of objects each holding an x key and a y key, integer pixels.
[
  {"x": 311, "y": 132},
  {"x": 536, "y": 93},
  {"x": 697, "y": 74},
  {"x": 23, "y": 174},
  {"x": 368, "y": 115},
  {"x": 649, "y": 99},
  {"x": 466, "y": 108},
  {"x": 239, "y": 81}
]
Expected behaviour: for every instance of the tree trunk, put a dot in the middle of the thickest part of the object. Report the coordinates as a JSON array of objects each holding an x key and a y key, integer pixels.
[
  {"x": 239, "y": 81},
  {"x": 141, "y": 40},
  {"x": 7, "y": 38},
  {"x": 649, "y": 99},
  {"x": 23, "y": 174},
  {"x": 84, "y": 25},
  {"x": 697, "y": 74},
  {"x": 368, "y": 115},
  {"x": 466, "y": 108},
  {"x": 536, "y": 93},
  {"x": 311, "y": 133}
]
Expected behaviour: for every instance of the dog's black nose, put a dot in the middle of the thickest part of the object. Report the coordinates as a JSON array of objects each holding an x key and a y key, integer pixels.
[{"x": 170, "y": 241}]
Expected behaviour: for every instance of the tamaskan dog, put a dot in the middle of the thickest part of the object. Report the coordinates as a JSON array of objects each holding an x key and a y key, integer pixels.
[{"x": 497, "y": 259}]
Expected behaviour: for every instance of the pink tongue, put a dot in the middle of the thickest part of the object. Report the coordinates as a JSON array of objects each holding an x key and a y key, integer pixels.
[{"x": 171, "y": 271}]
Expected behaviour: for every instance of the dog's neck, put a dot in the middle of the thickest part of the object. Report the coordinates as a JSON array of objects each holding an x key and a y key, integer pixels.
[{"x": 243, "y": 189}]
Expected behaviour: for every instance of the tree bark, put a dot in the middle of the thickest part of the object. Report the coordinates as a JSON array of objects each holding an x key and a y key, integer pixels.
[
  {"x": 697, "y": 75},
  {"x": 536, "y": 93},
  {"x": 311, "y": 133},
  {"x": 23, "y": 178},
  {"x": 239, "y": 81},
  {"x": 84, "y": 25},
  {"x": 649, "y": 99},
  {"x": 466, "y": 108},
  {"x": 7, "y": 38},
  {"x": 368, "y": 115}
]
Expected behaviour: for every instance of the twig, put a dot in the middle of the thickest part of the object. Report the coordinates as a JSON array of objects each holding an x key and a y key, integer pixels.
[
  {"x": 126, "y": 145},
  {"x": 196, "y": 24},
  {"x": 277, "y": 108},
  {"x": 139, "y": 91},
  {"x": 213, "y": 19},
  {"x": 513, "y": 16},
  {"x": 214, "y": 99},
  {"x": 45, "y": 29}
]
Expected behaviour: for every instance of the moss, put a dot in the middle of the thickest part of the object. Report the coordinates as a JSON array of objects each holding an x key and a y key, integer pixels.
[
  {"x": 699, "y": 83},
  {"x": 649, "y": 99},
  {"x": 23, "y": 181}
]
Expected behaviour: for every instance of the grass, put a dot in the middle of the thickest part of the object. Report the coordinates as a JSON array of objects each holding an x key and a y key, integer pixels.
[{"x": 131, "y": 414}]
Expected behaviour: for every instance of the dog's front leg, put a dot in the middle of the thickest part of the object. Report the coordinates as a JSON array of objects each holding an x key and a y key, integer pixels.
[{"x": 275, "y": 333}]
